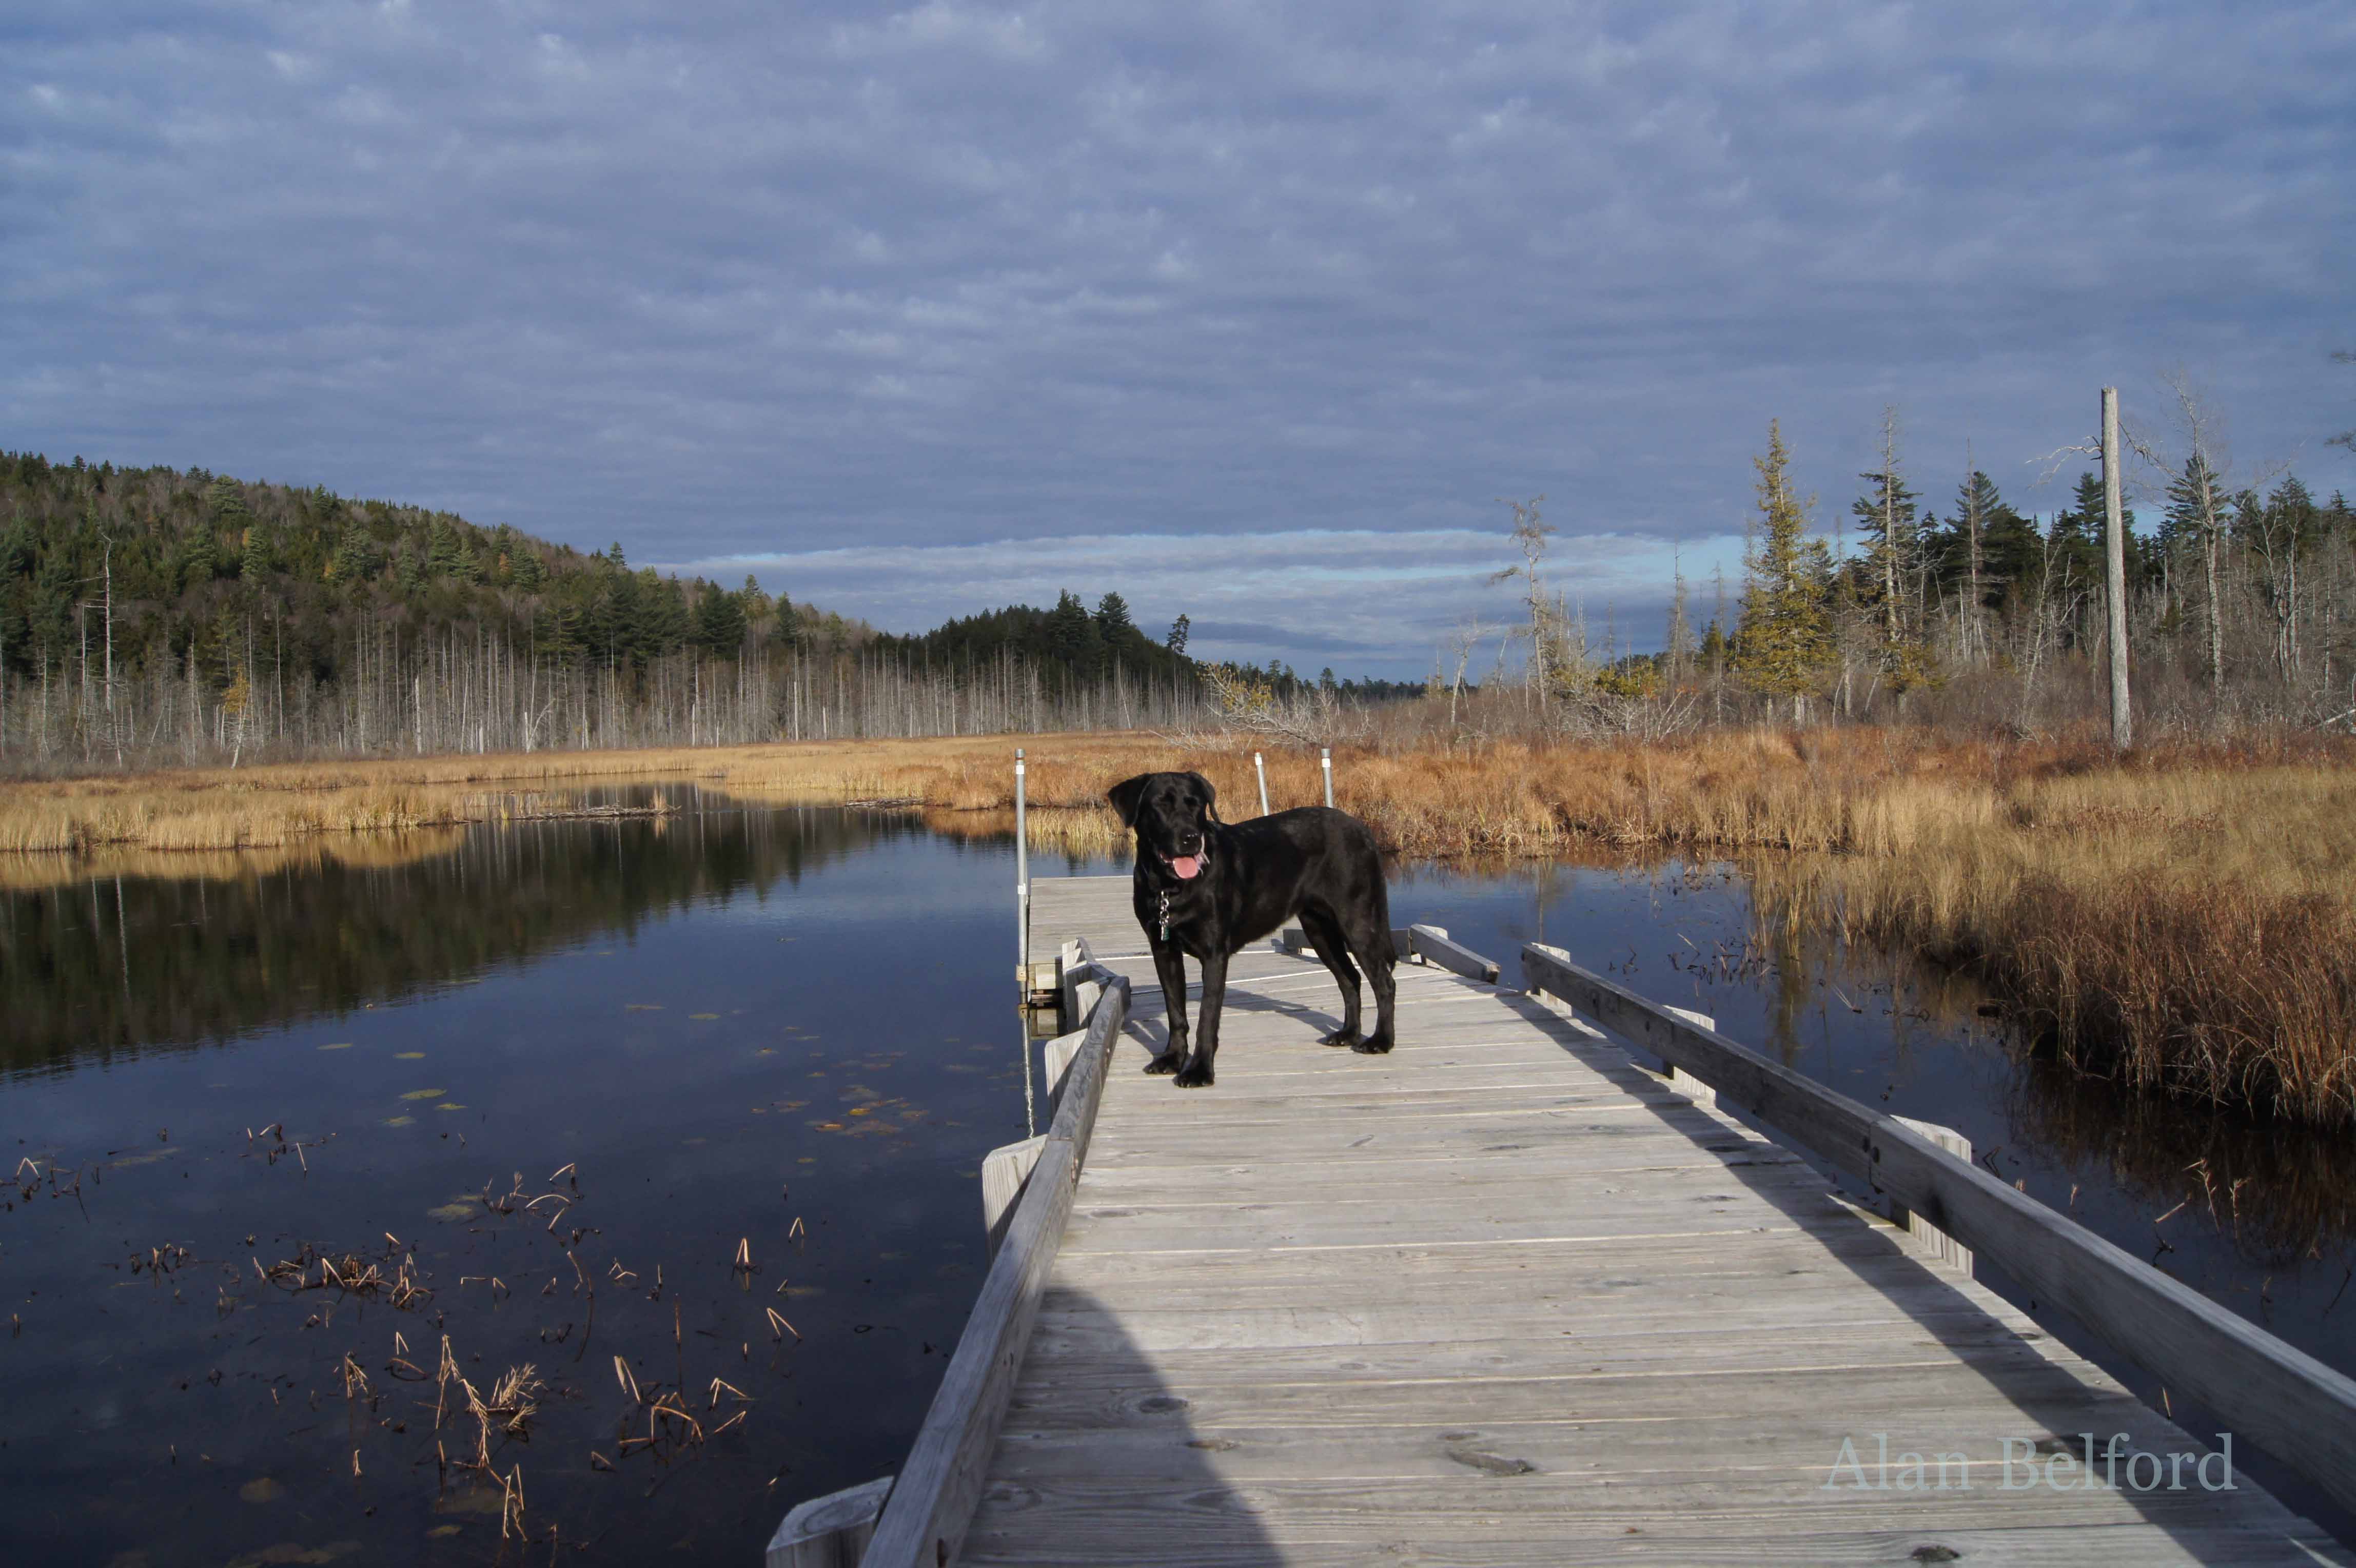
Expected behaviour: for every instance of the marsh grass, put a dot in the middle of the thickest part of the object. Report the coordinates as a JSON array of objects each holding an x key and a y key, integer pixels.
[
  {"x": 2191, "y": 930},
  {"x": 2180, "y": 920}
]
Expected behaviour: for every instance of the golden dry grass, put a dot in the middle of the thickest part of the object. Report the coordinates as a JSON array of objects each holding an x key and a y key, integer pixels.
[
  {"x": 2191, "y": 930},
  {"x": 2183, "y": 920}
]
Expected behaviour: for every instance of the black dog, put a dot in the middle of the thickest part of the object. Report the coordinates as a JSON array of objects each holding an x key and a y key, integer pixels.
[{"x": 1206, "y": 888}]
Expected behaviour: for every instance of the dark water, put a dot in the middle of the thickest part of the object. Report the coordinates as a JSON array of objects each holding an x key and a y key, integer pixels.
[{"x": 723, "y": 1023}]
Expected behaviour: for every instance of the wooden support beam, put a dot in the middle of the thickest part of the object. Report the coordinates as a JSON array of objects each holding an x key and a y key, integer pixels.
[
  {"x": 1432, "y": 946},
  {"x": 832, "y": 1532}
]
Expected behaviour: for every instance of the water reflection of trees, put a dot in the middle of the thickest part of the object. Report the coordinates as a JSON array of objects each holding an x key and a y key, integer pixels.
[{"x": 129, "y": 963}]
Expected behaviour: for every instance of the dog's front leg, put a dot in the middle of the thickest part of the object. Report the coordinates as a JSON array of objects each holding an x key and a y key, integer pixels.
[
  {"x": 1171, "y": 965},
  {"x": 1196, "y": 1073}
]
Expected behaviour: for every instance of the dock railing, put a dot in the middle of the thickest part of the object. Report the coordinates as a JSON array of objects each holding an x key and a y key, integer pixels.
[
  {"x": 919, "y": 1518},
  {"x": 2274, "y": 1395}
]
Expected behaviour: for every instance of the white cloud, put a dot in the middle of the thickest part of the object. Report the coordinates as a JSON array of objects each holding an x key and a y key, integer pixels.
[
  {"x": 1361, "y": 599},
  {"x": 735, "y": 279}
]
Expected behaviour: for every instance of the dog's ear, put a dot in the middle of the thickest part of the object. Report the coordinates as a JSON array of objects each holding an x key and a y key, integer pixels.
[
  {"x": 1210, "y": 796},
  {"x": 1125, "y": 796}
]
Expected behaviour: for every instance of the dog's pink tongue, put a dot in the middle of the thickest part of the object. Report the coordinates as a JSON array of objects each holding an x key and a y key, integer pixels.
[{"x": 1185, "y": 865}]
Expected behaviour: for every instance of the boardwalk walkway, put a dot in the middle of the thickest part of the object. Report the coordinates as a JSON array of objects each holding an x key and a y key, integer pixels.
[{"x": 1504, "y": 1297}]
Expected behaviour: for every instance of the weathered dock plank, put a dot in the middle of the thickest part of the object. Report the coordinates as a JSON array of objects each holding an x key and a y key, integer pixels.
[{"x": 1504, "y": 1297}]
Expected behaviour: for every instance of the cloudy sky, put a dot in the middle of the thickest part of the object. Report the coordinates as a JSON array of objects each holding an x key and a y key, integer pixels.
[{"x": 1253, "y": 311}]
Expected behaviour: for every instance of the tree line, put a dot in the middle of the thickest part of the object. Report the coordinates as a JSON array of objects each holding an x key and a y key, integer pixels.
[
  {"x": 150, "y": 615},
  {"x": 2240, "y": 604}
]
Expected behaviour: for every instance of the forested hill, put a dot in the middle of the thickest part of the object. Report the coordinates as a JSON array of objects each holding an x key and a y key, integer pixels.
[
  {"x": 193, "y": 564},
  {"x": 155, "y": 615},
  {"x": 1070, "y": 637}
]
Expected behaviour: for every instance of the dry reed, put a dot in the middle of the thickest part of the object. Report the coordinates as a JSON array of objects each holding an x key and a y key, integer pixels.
[{"x": 2181, "y": 920}]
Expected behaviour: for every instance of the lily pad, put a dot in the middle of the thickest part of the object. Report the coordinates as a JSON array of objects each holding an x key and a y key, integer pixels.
[
  {"x": 409, "y": 1056},
  {"x": 261, "y": 1490},
  {"x": 451, "y": 1213},
  {"x": 400, "y": 1121},
  {"x": 426, "y": 1094},
  {"x": 449, "y": 1105},
  {"x": 339, "y": 1045}
]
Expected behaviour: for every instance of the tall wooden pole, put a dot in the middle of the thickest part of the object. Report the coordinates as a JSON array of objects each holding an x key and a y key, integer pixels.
[{"x": 2115, "y": 553}]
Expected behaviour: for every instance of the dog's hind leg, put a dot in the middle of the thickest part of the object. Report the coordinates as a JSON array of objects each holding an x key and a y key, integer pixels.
[
  {"x": 1333, "y": 946},
  {"x": 1385, "y": 1008}
]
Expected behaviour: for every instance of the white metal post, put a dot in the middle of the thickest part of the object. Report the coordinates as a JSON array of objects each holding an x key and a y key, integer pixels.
[
  {"x": 1022, "y": 876},
  {"x": 1325, "y": 760},
  {"x": 1261, "y": 768}
]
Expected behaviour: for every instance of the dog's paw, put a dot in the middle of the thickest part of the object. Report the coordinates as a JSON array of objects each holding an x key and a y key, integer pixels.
[
  {"x": 1339, "y": 1037},
  {"x": 1195, "y": 1074},
  {"x": 1377, "y": 1045},
  {"x": 1165, "y": 1064}
]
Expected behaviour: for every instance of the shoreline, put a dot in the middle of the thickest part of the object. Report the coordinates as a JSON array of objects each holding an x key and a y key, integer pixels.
[{"x": 2182, "y": 919}]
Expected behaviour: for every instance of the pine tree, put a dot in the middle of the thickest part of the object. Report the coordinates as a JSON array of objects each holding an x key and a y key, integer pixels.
[
  {"x": 1071, "y": 636},
  {"x": 1784, "y": 637},
  {"x": 1891, "y": 529},
  {"x": 720, "y": 623},
  {"x": 1176, "y": 641},
  {"x": 261, "y": 552},
  {"x": 441, "y": 549},
  {"x": 2196, "y": 518},
  {"x": 1113, "y": 624}
]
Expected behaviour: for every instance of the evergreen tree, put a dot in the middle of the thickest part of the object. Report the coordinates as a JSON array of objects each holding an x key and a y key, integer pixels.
[
  {"x": 1071, "y": 635},
  {"x": 1113, "y": 624},
  {"x": 1885, "y": 581},
  {"x": 1784, "y": 639},
  {"x": 2079, "y": 543},
  {"x": 199, "y": 560},
  {"x": 2195, "y": 524},
  {"x": 441, "y": 549},
  {"x": 1176, "y": 641},
  {"x": 18, "y": 554},
  {"x": 719, "y": 623},
  {"x": 260, "y": 553},
  {"x": 355, "y": 561}
]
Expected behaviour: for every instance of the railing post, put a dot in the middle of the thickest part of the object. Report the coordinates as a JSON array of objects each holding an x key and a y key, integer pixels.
[
  {"x": 1927, "y": 1236},
  {"x": 1261, "y": 768},
  {"x": 1022, "y": 877},
  {"x": 1325, "y": 760}
]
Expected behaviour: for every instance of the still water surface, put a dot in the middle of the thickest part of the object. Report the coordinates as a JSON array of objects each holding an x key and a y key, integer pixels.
[{"x": 632, "y": 1046}]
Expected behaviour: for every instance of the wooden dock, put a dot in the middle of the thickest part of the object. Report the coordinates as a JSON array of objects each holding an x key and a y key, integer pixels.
[{"x": 1501, "y": 1297}]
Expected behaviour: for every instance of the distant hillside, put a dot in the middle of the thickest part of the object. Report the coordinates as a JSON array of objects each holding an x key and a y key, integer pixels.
[
  {"x": 155, "y": 615},
  {"x": 193, "y": 564}
]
